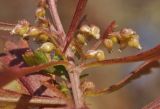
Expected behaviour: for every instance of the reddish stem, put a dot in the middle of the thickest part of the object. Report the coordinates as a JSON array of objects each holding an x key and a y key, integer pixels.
[
  {"x": 150, "y": 54},
  {"x": 75, "y": 21},
  {"x": 56, "y": 18}
]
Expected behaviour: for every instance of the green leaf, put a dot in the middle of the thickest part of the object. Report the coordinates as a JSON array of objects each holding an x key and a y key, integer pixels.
[{"x": 37, "y": 57}]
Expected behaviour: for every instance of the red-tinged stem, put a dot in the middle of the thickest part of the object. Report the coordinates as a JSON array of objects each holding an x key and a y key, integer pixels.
[
  {"x": 153, "y": 53},
  {"x": 73, "y": 75},
  {"x": 138, "y": 72},
  {"x": 25, "y": 100},
  {"x": 141, "y": 70},
  {"x": 153, "y": 105},
  {"x": 108, "y": 30},
  {"x": 8, "y": 74},
  {"x": 75, "y": 21},
  {"x": 56, "y": 18},
  {"x": 6, "y": 26},
  {"x": 42, "y": 66},
  {"x": 77, "y": 93}
]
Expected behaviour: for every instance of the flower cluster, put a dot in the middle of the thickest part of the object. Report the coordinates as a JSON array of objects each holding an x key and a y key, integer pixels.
[{"x": 125, "y": 37}]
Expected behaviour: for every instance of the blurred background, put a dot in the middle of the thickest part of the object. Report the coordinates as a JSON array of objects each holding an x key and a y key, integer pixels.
[{"x": 141, "y": 15}]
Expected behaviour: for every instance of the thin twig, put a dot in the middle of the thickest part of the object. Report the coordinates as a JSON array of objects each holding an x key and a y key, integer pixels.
[
  {"x": 6, "y": 26},
  {"x": 153, "y": 105},
  {"x": 75, "y": 21},
  {"x": 150, "y": 54},
  {"x": 7, "y": 74},
  {"x": 56, "y": 18},
  {"x": 141, "y": 70},
  {"x": 22, "y": 99}
]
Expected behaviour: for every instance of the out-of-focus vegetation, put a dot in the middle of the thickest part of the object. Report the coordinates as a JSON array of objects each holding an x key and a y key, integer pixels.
[{"x": 141, "y": 15}]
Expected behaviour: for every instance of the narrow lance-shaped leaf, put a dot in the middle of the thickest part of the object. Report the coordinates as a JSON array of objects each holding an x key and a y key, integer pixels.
[
  {"x": 75, "y": 21},
  {"x": 108, "y": 30}
]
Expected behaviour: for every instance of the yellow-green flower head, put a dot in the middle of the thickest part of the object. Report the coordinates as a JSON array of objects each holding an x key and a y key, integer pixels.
[
  {"x": 95, "y": 31},
  {"x": 21, "y": 28},
  {"x": 91, "y": 53},
  {"x": 85, "y": 29},
  {"x": 134, "y": 42},
  {"x": 127, "y": 32},
  {"x": 81, "y": 38},
  {"x": 100, "y": 55},
  {"x": 108, "y": 44},
  {"x": 47, "y": 47},
  {"x": 92, "y": 30},
  {"x": 34, "y": 31},
  {"x": 40, "y": 12}
]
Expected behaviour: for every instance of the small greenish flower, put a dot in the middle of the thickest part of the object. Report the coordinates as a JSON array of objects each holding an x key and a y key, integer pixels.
[
  {"x": 81, "y": 38},
  {"x": 47, "y": 47},
  {"x": 33, "y": 31},
  {"x": 87, "y": 86},
  {"x": 91, "y": 53},
  {"x": 43, "y": 37},
  {"x": 114, "y": 39},
  {"x": 95, "y": 31},
  {"x": 127, "y": 32},
  {"x": 100, "y": 55},
  {"x": 85, "y": 29},
  {"x": 108, "y": 44},
  {"x": 92, "y": 30},
  {"x": 134, "y": 42},
  {"x": 40, "y": 12},
  {"x": 21, "y": 28}
]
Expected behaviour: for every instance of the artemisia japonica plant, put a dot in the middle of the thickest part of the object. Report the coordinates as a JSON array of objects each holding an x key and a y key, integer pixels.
[{"x": 51, "y": 73}]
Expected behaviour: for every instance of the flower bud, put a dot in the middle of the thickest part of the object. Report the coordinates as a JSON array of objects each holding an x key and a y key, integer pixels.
[
  {"x": 91, "y": 53},
  {"x": 43, "y": 37},
  {"x": 81, "y": 38},
  {"x": 127, "y": 32},
  {"x": 87, "y": 85},
  {"x": 34, "y": 31},
  {"x": 85, "y": 29},
  {"x": 114, "y": 39},
  {"x": 21, "y": 28},
  {"x": 100, "y": 55},
  {"x": 40, "y": 12},
  {"x": 47, "y": 47},
  {"x": 109, "y": 44},
  {"x": 134, "y": 42},
  {"x": 95, "y": 31}
]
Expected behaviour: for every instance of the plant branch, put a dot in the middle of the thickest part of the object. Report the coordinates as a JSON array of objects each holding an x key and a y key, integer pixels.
[
  {"x": 150, "y": 54},
  {"x": 22, "y": 99},
  {"x": 153, "y": 105},
  {"x": 56, "y": 18},
  {"x": 77, "y": 93},
  {"x": 75, "y": 21},
  {"x": 6, "y": 26},
  {"x": 7, "y": 74},
  {"x": 141, "y": 70}
]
